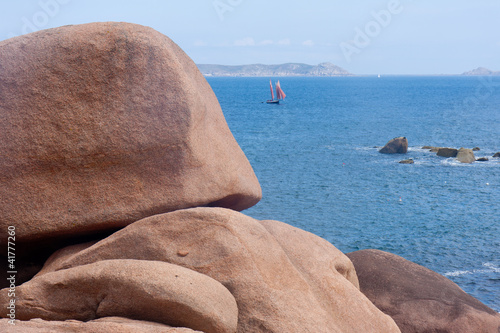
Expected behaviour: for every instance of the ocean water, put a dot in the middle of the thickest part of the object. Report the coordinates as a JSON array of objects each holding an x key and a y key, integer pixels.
[{"x": 316, "y": 159}]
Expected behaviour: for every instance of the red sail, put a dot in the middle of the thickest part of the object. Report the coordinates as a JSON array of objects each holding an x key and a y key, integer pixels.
[
  {"x": 279, "y": 92},
  {"x": 272, "y": 92}
]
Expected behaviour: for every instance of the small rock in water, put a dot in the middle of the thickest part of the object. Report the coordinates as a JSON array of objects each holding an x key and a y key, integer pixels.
[
  {"x": 465, "y": 155},
  {"x": 483, "y": 159},
  {"x": 497, "y": 154},
  {"x": 408, "y": 161},
  {"x": 447, "y": 152},
  {"x": 396, "y": 146},
  {"x": 476, "y": 149}
]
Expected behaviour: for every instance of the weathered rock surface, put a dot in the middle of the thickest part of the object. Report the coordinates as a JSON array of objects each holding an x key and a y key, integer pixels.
[
  {"x": 465, "y": 155},
  {"x": 278, "y": 288},
  {"x": 320, "y": 263},
  {"x": 418, "y": 299},
  {"x": 396, "y": 146},
  {"x": 103, "y": 124},
  {"x": 447, "y": 152},
  {"x": 102, "y": 325},
  {"x": 139, "y": 289}
]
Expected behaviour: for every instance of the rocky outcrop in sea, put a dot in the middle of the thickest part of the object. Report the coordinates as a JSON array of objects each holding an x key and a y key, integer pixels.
[
  {"x": 395, "y": 146},
  {"x": 123, "y": 186}
]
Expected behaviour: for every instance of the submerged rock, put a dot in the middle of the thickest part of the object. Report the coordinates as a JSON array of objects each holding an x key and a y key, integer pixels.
[
  {"x": 103, "y": 124},
  {"x": 418, "y": 299},
  {"x": 465, "y": 155},
  {"x": 432, "y": 148},
  {"x": 396, "y": 146},
  {"x": 483, "y": 159},
  {"x": 408, "y": 161}
]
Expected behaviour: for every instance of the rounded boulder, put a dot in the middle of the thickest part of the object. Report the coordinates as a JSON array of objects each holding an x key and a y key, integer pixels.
[
  {"x": 135, "y": 289},
  {"x": 418, "y": 299},
  {"x": 103, "y": 124},
  {"x": 282, "y": 278}
]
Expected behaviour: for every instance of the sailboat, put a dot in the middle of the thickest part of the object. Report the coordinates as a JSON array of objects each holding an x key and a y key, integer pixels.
[{"x": 279, "y": 94}]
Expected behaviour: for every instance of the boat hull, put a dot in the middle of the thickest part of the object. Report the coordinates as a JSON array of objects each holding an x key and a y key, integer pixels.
[{"x": 273, "y": 102}]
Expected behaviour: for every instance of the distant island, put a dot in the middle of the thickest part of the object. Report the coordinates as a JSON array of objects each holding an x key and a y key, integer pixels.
[
  {"x": 259, "y": 70},
  {"x": 481, "y": 71}
]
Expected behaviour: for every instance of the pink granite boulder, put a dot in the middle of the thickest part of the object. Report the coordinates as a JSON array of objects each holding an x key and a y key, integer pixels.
[
  {"x": 283, "y": 279},
  {"x": 418, "y": 299},
  {"x": 136, "y": 289},
  {"x": 103, "y": 124}
]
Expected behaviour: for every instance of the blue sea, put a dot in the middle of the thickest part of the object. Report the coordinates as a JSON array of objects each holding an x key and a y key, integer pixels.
[{"x": 317, "y": 160}]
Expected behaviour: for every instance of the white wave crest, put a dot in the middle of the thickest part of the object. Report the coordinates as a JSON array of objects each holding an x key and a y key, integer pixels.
[{"x": 489, "y": 268}]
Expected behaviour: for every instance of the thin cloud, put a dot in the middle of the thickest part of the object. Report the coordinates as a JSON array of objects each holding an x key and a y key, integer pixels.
[
  {"x": 308, "y": 43},
  {"x": 285, "y": 42},
  {"x": 266, "y": 42},
  {"x": 248, "y": 41}
]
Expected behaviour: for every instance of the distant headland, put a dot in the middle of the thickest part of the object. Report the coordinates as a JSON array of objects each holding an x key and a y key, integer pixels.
[
  {"x": 325, "y": 69},
  {"x": 481, "y": 71},
  {"x": 260, "y": 70}
]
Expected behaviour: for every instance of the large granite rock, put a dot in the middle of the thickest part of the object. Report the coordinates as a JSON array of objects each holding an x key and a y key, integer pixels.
[
  {"x": 465, "y": 155},
  {"x": 136, "y": 289},
  {"x": 103, "y": 124},
  {"x": 447, "y": 152},
  {"x": 418, "y": 299},
  {"x": 396, "y": 146},
  {"x": 102, "y": 325},
  {"x": 283, "y": 279}
]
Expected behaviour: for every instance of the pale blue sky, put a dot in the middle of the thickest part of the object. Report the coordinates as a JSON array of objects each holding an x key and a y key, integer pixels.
[{"x": 364, "y": 37}]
